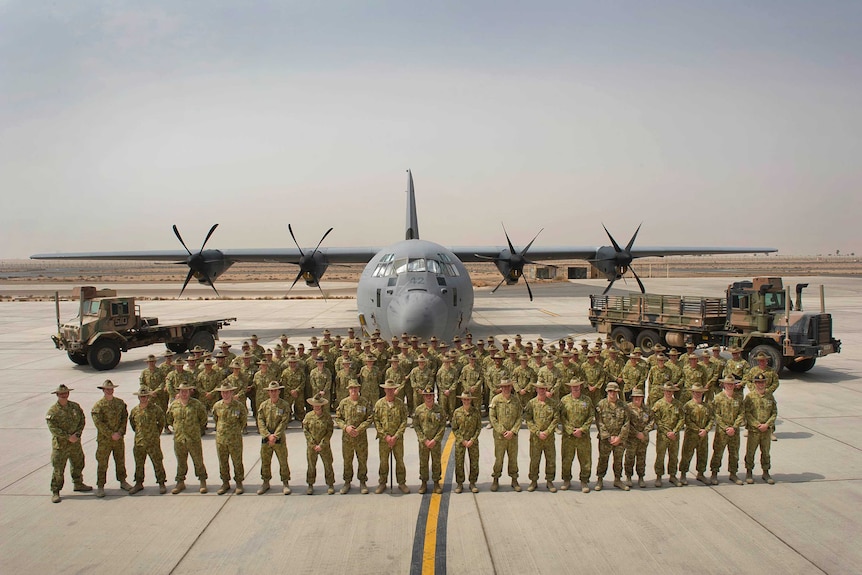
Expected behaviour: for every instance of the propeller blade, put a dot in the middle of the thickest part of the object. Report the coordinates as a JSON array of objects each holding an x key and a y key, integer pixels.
[
  {"x": 321, "y": 241},
  {"x": 613, "y": 241},
  {"x": 290, "y": 229},
  {"x": 481, "y": 257},
  {"x": 529, "y": 291},
  {"x": 211, "y": 282},
  {"x": 632, "y": 241},
  {"x": 511, "y": 247},
  {"x": 185, "y": 283},
  {"x": 610, "y": 284},
  {"x": 206, "y": 239},
  {"x": 179, "y": 237},
  {"x": 524, "y": 252},
  {"x": 640, "y": 283},
  {"x": 498, "y": 285},
  {"x": 296, "y": 279},
  {"x": 321, "y": 292}
]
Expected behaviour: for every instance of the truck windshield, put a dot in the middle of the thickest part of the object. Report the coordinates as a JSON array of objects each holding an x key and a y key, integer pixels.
[
  {"x": 91, "y": 308},
  {"x": 774, "y": 300}
]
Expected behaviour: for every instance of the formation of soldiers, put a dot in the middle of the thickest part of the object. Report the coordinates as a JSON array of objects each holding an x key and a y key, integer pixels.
[{"x": 353, "y": 383}]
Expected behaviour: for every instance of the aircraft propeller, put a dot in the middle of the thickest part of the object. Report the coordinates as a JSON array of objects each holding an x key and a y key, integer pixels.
[
  {"x": 309, "y": 267},
  {"x": 197, "y": 263},
  {"x": 512, "y": 265},
  {"x": 622, "y": 259}
]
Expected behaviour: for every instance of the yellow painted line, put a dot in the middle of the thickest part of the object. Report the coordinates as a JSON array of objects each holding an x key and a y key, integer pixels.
[
  {"x": 429, "y": 550},
  {"x": 550, "y": 313}
]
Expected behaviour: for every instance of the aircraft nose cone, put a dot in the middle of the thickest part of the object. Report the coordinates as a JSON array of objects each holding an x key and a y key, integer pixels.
[{"x": 418, "y": 313}]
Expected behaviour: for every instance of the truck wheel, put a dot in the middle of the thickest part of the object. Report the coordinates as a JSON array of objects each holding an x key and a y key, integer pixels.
[
  {"x": 647, "y": 339},
  {"x": 104, "y": 355},
  {"x": 620, "y": 334},
  {"x": 178, "y": 347},
  {"x": 776, "y": 361},
  {"x": 202, "y": 338},
  {"x": 77, "y": 358},
  {"x": 801, "y": 366}
]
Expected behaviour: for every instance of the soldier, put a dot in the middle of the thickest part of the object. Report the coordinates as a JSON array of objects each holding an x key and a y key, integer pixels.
[
  {"x": 692, "y": 374},
  {"x": 447, "y": 387},
  {"x": 689, "y": 351},
  {"x": 390, "y": 420},
  {"x": 674, "y": 366},
  {"x": 421, "y": 379},
  {"x": 260, "y": 384},
  {"x": 713, "y": 371},
  {"x": 466, "y": 425},
  {"x": 154, "y": 379},
  {"x": 273, "y": 415},
  {"x": 354, "y": 416},
  {"x": 772, "y": 383},
  {"x": 167, "y": 365},
  {"x": 524, "y": 379},
  {"x": 398, "y": 377},
  {"x": 229, "y": 416},
  {"x": 293, "y": 380},
  {"x": 542, "y": 417},
  {"x": 760, "y": 413},
  {"x": 66, "y": 423},
  {"x": 147, "y": 421},
  {"x": 473, "y": 379},
  {"x": 229, "y": 356},
  {"x": 207, "y": 382},
  {"x": 614, "y": 365},
  {"x": 110, "y": 416},
  {"x": 594, "y": 377},
  {"x": 320, "y": 382},
  {"x": 369, "y": 377},
  {"x": 178, "y": 377},
  {"x": 577, "y": 414},
  {"x": 640, "y": 425},
  {"x": 698, "y": 421},
  {"x": 505, "y": 416},
  {"x": 668, "y": 418},
  {"x": 429, "y": 421},
  {"x": 736, "y": 367},
  {"x": 187, "y": 415},
  {"x": 657, "y": 350},
  {"x": 343, "y": 377},
  {"x": 659, "y": 375},
  {"x": 238, "y": 379},
  {"x": 318, "y": 428},
  {"x": 729, "y": 416},
  {"x": 492, "y": 377},
  {"x": 632, "y": 375},
  {"x": 612, "y": 419}
]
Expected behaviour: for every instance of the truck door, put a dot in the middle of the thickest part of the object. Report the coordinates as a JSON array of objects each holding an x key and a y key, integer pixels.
[{"x": 120, "y": 315}]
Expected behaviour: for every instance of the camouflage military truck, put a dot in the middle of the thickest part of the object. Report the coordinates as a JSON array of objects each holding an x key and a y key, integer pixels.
[
  {"x": 107, "y": 325},
  {"x": 758, "y": 316}
]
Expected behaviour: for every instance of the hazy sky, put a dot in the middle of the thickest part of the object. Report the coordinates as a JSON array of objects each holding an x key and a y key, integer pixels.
[{"x": 714, "y": 123}]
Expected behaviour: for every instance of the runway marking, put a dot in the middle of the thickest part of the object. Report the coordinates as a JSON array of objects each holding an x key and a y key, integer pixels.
[
  {"x": 550, "y": 313},
  {"x": 429, "y": 543}
]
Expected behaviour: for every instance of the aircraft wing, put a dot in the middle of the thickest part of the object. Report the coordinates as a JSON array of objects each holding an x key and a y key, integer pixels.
[
  {"x": 548, "y": 253},
  {"x": 276, "y": 255}
]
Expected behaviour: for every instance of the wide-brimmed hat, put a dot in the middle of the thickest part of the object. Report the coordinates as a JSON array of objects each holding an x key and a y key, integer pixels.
[
  {"x": 108, "y": 384},
  {"x": 62, "y": 389}
]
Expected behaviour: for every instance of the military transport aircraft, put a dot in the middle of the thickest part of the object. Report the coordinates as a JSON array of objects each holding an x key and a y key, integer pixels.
[{"x": 413, "y": 286}]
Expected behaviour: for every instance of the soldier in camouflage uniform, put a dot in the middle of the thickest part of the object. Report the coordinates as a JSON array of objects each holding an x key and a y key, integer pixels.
[
  {"x": 260, "y": 384},
  {"x": 167, "y": 366},
  {"x": 551, "y": 377},
  {"x": 343, "y": 377},
  {"x": 354, "y": 416},
  {"x": 698, "y": 421},
  {"x": 640, "y": 425},
  {"x": 230, "y": 417},
  {"x": 524, "y": 379},
  {"x": 577, "y": 414},
  {"x": 110, "y": 416},
  {"x": 447, "y": 387},
  {"x": 180, "y": 376},
  {"x": 594, "y": 377},
  {"x": 668, "y": 418},
  {"x": 632, "y": 375},
  {"x": 737, "y": 368},
  {"x": 154, "y": 379},
  {"x": 256, "y": 350},
  {"x": 466, "y": 425},
  {"x": 612, "y": 419},
  {"x": 729, "y": 417},
  {"x": 760, "y": 413},
  {"x": 421, "y": 379},
  {"x": 147, "y": 421},
  {"x": 689, "y": 351},
  {"x": 273, "y": 415},
  {"x": 505, "y": 414},
  {"x": 187, "y": 415},
  {"x": 207, "y": 381},
  {"x": 614, "y": 365},
  {"x": 370, "y": 377},
  {"x": 390, "y": 420},
  {"x": 320, "y": 382},
  {"x": 429, "y": 421},
  {"x": 293, "y": 380},
  {"x": 762, "y": 368},
  {"x": 66, "y": 423},
  {"x": 398, "y": 377},
  {"x": 492, "y": 377},
  {"x": 473, "y": 379},
  {"x": 692, "y": 374},
  {"x": 318, "y": 428},
  {"x": 659, "y": 375},
  {"x": 542, "y": 417}
]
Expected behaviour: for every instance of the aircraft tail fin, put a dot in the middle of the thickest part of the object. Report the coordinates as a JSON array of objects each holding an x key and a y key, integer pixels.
[{"x": 412, "y": 219}]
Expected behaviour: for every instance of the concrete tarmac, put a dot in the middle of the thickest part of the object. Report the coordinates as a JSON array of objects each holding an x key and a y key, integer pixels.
[{"x": 806, "y": 523}]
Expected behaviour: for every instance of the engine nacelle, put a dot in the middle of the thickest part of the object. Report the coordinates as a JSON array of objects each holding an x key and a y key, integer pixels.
[
  {"x": 313, "y": 268},
  {"x": 212, "y": 262}
]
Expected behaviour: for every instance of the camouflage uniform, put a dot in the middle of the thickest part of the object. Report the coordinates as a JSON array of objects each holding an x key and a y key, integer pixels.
[
  {"x": 240, "y": 381},
  {"x": 447, "y": 381},
  {"x": 421, "y": 378},
  {"x": 230, "y": 419},
  {"x": 272, "y": 419},
  {"x": 293, "y": 380},
  {"x": 318, "y": 431},
  {"x": 206, "y": 383},
  {"x": 612, "y": 421},
  {"x": 65, "y": 421},
  {"x": 770, "y": 375},
  {"x": 175, "y": 379},
  {"x": 633, "y": 376},
  {"x": 577, "y": 413},
  {"x": 542, "y": 416},
  {"x": 429, "y": 424},
  {"x": 110, "y": 416},
  {"x": 553, "y": 379},
  {"x": 759, "y": 409},
  {"x": 505, "y": 415},
  {"x": 613, "y": 367},
  {"x": 595, "y": 377},
  {"x": 370, "y": 379},
  {"x": 148, "y": 425},
  {"x": 358, "y": 414},
  {"x": 524, "y": 378},
  {"x": 658, "y": 376},
  {"x": 466, "y": 426},
  {"x": 492, "y": 378},
  {"x": 668, "y": 418},
  {"x": 155, "y": 381},
  {"x": 640, "y": 421},
  {"x": 472, "y": 381},
  {"x": 697, "y": 418},
  {"x": 391, "y": 419},
  {"x": 187, "y": 421},
  {"x": 396, "y": 374},
  {"x": 342, "y": 377},
  {"x": 692, "y": 376},
  {"x": 320, "y": 382},
  {"x": 728, "y": 413},
  {"x": 259, "y": 384}
]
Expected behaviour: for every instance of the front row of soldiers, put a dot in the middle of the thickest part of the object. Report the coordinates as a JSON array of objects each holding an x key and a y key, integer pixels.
[{"x": 623, "y": 431}]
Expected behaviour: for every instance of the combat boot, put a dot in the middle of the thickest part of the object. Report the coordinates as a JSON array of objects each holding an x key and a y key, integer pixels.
[
  {"x": 551, "y": 487},
  {"x": 124, "y": 485},
  {"x": 600, "y": 483},
  {"x": 380, "y": 488},
  {"x": 585, "y": 487},
  {"x": 285, "y": 488},
  {"x": 702, "y": 478},
  {"x": 438, "y": 489},
  {"x": 330, "y": 489},
  {"x": 566, "y": 484},
  {"x": 768, "y": 478},
  {"x": 162, "y": 488},
  {"x": 55, "y": 497},
  {"x": 423, "y": 488},
  {"x": 459, "y": 488},
  {"x": 495, "y": 484},
  {"x": 203, "y": 488},
  {"x": 735, "y": 479},
  {"x": 683, "y": 479},
  {"x": 179, "y": 488},
  {"x": 100, "y": 491},
  {"x": 749, "y": 477},
  {"x": 264, "y": 487},
  {"x": 473, "y": 488},
  {"x": 225, "y": 487},
  {"x": 82, "y": 487},
  {"x": 137, "y": 487},
  {"x": 772, "y": 436},
  {"x": 532, "y": 486},
  {"x": 658, "y": 480},
  {"x": 345, "y": 489},
  {"x": 714, "y": 479},
  {"x": 310, "y": 490},
  {"x": 239, "y": 490},
  {"x": 629, "y": 480},
  {"x": 363, "y": 489},
  {"x": 516, "y": 486},
  {"x": 620, "y": 485},
  {"x": 675, "y": 481},
  {"x": 403, "y": 488},
  {"x": 641, "y": 482}
]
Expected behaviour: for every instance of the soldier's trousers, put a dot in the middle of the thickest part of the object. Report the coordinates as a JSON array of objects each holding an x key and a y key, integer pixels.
[
  {"x": 509, "y": 449},
  {"x": 583, "y": 448},
  {"x": 756, "y": 439},
  {"x": 636, "y": 455},
  {"x": 398, "y": 452},
  {"x": 538, "y": 448},
  {"x": 448, "y": 403},
  {"x": 605, "y": 450},
  {"x": 325, "y": 454},
  {"x": 154, "y": 451},
  {"x": 435, "y": 453},
  {"x": 460, "y": 454},
  {"x": 104, "y": 449},
  {"x": 161, "y": 399},
  {"x": 230, "y": 449},
  {"x": 355, "y": 447},
  {"x": 693, "y": 443},
  {"x": 653, "y": 397},
  {"x": 665, "y": 445},
  {"x": 183, "y": 449},
  {"x": 280, "y": 450},
  {"x": 297, "y": 405},
  {"x": 719, "y": 442},
  {"x": 74, "y": 454}
]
